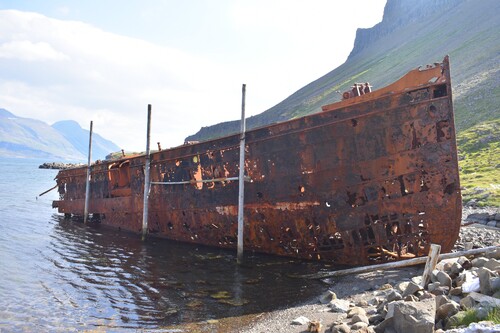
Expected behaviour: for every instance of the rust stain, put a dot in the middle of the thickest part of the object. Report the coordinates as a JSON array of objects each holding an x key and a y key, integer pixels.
[{"x": 372, "y": 178}]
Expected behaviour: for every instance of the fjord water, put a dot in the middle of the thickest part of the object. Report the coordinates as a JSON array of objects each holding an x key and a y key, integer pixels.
[{"x": 58, "y": 275}]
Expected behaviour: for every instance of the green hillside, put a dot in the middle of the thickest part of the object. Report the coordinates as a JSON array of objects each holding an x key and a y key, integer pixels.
[
  {"x": 412, "y": 33},
  {"x": 479, "y": 161}
]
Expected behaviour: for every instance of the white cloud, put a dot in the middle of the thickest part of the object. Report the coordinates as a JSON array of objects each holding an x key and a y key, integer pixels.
[
  {"x": 58, "y": 69},
  {"x": 29, "y": 51}
]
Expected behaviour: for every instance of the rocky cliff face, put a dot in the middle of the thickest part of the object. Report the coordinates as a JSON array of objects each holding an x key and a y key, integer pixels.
[{"x": 397, "y": 14}]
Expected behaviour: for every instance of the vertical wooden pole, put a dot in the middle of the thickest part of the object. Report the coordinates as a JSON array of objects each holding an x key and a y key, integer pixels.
[
  {"x": 430, "y": 264},
  {"x": 241, "y": 180},
  {"x": 147, "y": 184},
  {"x": 87, "y": 182}
]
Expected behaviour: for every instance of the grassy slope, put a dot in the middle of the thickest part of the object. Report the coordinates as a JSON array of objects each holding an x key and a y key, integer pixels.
[{"x": 479, "y": 161}]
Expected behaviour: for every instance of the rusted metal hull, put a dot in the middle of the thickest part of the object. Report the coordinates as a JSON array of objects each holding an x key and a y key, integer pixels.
[{"x": 370, "y": 179}]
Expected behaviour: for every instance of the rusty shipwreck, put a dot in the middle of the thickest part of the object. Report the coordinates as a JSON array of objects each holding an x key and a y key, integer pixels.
[{"x": 370, "y": 179}]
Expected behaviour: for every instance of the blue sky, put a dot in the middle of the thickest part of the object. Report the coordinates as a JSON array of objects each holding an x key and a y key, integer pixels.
[{"x": 106, "y": 60}]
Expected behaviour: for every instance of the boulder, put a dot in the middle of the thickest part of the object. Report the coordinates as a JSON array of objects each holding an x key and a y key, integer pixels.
[
  {"x": 376, "y": 319},
  {"x": 444, "y": 279},
  {"x": 414, "y": 317},
  {"x": 401, "y": 286},
  {"x": 495, "y": 283},
  {"x": 440, "y": 291},
  {"x": 492, "y": 264},
  {"x": 411, "y": 288},
  {"x": 339, "y": 305},
  {"x": 411, "y": 298},
  {"x": 301, "y": 321},
  {"x": 456, "y": 291},
  {"x": 360, "y": 318},
  {"x": 327, "y": 297},
  {"x": 484, "y": 275},
  {"x": 456, "y": 268},
  {"x": 482, "y": 218},
  {"x": 340, "y": 328},
  {"x": 355, "y": 311},
  {"x": 479, "y": 262},
  {"x": 494, "y": 254},
  {"x": 359, "y": 326},
  {"x": 440, "y": 300},
  {"x": 394, "y": 296},
  {"x": 447, "y": 310},
  {"x": 433, "y": 286},
  {"x": 467, "y": 303}
]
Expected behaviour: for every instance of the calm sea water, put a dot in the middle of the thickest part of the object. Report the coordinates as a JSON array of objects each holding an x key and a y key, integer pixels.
[{"x": 59, "y": 275}]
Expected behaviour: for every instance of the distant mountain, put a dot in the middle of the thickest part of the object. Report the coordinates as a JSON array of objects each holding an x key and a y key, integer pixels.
[
  {"x": 31, "y": 138},
  {"x": 412, "y": 33},
  {"x": 79, "y": 138}
]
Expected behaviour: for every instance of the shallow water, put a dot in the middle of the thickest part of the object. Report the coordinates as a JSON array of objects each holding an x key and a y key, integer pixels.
[{"x": 61, "y": 275}]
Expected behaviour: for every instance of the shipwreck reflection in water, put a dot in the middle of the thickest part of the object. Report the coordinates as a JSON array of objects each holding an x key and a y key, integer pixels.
[{"x": 110, "y": 278}]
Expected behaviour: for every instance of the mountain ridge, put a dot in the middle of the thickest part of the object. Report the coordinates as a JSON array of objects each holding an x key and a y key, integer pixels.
[{"x": 31, "y": 138}]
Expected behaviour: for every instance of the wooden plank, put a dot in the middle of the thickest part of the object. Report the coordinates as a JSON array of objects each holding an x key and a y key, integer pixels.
[{"x": 396, "y": 264}]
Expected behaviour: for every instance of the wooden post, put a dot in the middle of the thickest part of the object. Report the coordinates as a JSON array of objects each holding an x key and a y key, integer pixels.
[
  {"x": 430, "y": 264},
  {"x": 147, "y": 185},
  {"x": 241, "y": 191},
  {"x": 87, "y": 182}
]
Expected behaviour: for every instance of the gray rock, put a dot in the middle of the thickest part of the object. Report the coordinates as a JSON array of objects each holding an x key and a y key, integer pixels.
[
  {"x": 467, "y": 303},
  {"x": 362, "y": 303},
  {"x": 440, "y": 291},
  {"x": 440, "y": 300},
  {"x": 444, "y": 279},
  {"x": 495, "y": 283},
  {"x": 456, "y": 291},
  {"x": 456, "y": 268},
  {"x": 492, "y": 224},
  {"x": 414, "y": 317},
  {"x": 478, "y": 217},
  {"x": 411, "y": 298},
  {"x": 447, "y": 310},
  {"x": 411, "y": 289},
  {"x": 494, "y": 254},
  {"x": 385, "y": 286},
  {"x": 355, "y": 311},
  {"x": 341, "y": 328},
  {"x": 359, "y": 326},
  {"x": 464, "y": 262},
  {"x": 417, "y": 279},
  {"x": 479, "y": 262},
  {"x": 484, "y": 275},
  {"x": 433, "y": 286},
  {"x": 492, "y": 264},
  {"x": 434, "y": 274},
  {"x": 376, "y": 319},
  {"x": 394, "y": 296},
  {"x": 456, "y": 319},
  {"x": 401, "y": 287},
  {"x": 327, "y": 297},
  {"x": 385, "y": 326},
  {"x": 301, "y": 321},
  {"x": 426, "y": 295},
  {"x": 360, "y": 318},
  {"x": 339, "y": 305}
]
